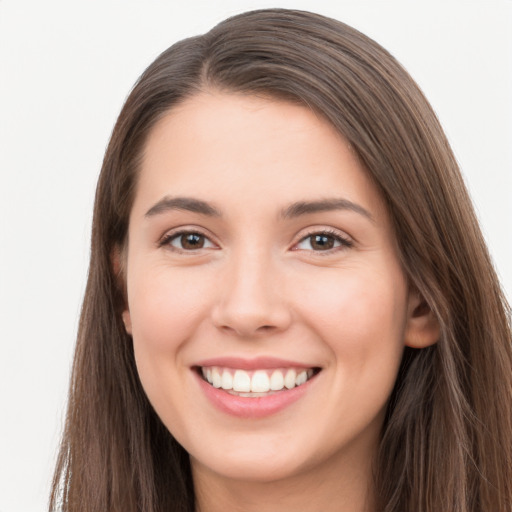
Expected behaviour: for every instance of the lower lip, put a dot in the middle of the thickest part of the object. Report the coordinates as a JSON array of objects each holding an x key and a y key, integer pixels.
[{"x": 252, "y": 407}]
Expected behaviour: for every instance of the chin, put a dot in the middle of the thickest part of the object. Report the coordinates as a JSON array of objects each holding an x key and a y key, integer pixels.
[
  {"x": 254, "y": 471},
  {"x": 261, "y": 461}
]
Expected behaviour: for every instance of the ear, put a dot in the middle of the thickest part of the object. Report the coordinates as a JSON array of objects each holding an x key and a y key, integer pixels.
[
  {"x": 422, "y": 328},
  {"x": 118, "y": 259},
  {"x": 127, "y": 320}
]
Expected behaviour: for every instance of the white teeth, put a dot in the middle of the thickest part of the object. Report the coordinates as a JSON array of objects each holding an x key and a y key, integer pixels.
[
  {"x": 276, "y": 381},
  {"x": 255, "y": 383},
  {"x": 260, "y": 383},
  {"x": 289, "y": 379},
  {"x": 227, "y": 380},
  {"x": 241, "y": 381},
  {"x": 301, "y": 378},
  {"x": 216, "y": 378}
]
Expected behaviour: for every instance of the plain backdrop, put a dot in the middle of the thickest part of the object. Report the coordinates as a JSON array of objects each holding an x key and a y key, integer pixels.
[{"x": 65, "y": 69}]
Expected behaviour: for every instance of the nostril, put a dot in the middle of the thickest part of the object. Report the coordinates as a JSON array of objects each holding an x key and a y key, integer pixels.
[
  {"x": 247, "y": 315},
  {"x": 263, "y": 329}
]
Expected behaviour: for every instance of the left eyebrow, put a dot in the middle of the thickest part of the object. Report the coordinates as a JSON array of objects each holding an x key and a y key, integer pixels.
[
  {"x": 183, "y": 203},
  {"x": 324, "y": 205}
]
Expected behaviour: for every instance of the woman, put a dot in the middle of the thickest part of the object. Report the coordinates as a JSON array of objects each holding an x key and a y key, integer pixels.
[{"x": 290, "y": 304}]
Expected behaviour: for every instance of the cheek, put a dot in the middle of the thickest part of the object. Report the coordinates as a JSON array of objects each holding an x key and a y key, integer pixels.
[
  {"x": 360, "y": 314},
  {"x": 166, "y": 305}
]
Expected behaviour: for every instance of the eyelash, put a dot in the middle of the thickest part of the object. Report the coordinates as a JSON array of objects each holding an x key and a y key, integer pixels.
[{"x": 344, "y": 243}]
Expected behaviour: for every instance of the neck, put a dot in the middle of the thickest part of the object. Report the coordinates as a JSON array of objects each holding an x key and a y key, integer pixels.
[{"x": 329, "y": 488}]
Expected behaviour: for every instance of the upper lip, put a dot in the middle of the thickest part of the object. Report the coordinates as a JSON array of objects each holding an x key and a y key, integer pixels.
[{"x": 257, "y": 363}]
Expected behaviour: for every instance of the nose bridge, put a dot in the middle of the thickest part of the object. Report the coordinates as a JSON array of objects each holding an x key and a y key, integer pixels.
[{"x": 250, "y": 299}]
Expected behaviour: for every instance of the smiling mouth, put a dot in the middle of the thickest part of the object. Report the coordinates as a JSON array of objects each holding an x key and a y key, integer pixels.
[{"x": 256, "y": 383}]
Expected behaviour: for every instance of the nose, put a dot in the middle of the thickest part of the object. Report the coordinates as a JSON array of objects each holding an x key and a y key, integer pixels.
[{"x": 251, "y": 298}]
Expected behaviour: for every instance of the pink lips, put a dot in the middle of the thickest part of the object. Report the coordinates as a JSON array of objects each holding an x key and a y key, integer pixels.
[
  {"x": 251, "y": 407},
  {"x": 258, "y": 363}
]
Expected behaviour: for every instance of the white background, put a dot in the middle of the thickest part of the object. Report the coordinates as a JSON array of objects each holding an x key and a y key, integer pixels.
[{"x": 65, "y": 70}]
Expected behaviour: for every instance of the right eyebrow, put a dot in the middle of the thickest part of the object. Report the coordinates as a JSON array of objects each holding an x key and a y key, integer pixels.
[{"x": 183, "y": 203}]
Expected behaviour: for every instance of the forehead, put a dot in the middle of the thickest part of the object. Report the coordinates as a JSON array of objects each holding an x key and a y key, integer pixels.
[{"x": 250, "y": 150}]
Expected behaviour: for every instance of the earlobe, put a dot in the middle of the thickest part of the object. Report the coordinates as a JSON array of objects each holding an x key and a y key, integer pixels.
[
  {"x": 422, "y": 328},
  {"x": 127, "y": 320}
]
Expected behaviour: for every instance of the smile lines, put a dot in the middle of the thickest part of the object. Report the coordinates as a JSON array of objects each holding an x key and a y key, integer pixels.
[{"x": 254, "y": 383}]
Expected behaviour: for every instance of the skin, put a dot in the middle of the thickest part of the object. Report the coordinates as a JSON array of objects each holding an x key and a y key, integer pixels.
[{"x": 259, "y": 287}]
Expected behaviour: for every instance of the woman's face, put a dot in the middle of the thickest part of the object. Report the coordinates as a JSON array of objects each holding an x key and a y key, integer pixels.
[{"x": 266, "y": 302}]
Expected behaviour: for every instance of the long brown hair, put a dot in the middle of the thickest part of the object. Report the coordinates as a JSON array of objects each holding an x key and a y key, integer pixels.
[{"x": 447, "y": 438}]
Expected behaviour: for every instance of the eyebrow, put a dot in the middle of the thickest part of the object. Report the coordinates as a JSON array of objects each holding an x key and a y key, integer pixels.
[
  {"x": 324, "y": 205},
  {"x": 183, "y": 203},
  {"x": 296, "y": 209}
]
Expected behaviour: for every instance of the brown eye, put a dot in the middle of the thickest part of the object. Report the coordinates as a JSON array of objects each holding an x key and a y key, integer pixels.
[
  {"x": 188, "y": 241},
  {"x": 192, "y": 241},
  {"x": 323, "y": 242}
]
